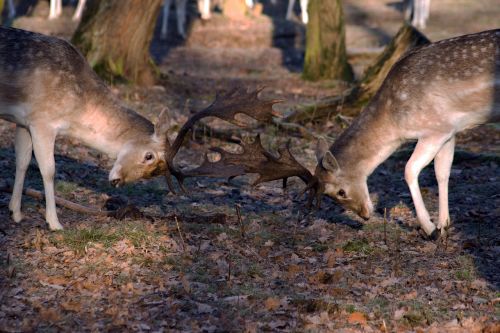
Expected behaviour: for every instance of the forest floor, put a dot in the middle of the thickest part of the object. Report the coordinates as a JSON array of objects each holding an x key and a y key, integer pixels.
[{"x": 191, "y": 265}]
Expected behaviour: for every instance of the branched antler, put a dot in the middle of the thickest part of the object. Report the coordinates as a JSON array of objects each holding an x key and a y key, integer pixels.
[
  {"x": 256, "y": 159},
  {"x": 253, "y": 159},
  {"x": 225, "y": 106}
]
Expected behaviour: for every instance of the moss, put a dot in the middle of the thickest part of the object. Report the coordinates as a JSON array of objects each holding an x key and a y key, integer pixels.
[
  {"x": 326, "y": 56},
  {"x": 358, "y": 246}
]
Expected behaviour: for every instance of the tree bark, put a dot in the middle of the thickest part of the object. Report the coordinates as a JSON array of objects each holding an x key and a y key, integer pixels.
[
  {"x": 351, "y": 103},
  {"x": 406, "y": 39},
  {"x": 326, "y": 56},
  {"x": 114, "y": 36},
  {"x": 1, "y": 9}
]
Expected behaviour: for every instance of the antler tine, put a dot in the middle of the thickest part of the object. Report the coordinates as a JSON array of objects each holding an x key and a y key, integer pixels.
[
  {"x": 226, "y": 107},
  {"x": 256, "y": 159}
]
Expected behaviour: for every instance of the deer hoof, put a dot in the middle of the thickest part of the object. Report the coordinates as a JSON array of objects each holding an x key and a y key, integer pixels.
[
  {"x": 55, "y": 226},
  {"x": 432, "y": 237},
  {"x": 16, "y": 216}
]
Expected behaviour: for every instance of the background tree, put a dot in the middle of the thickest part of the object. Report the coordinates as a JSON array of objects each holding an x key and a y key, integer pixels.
[
  {"x": 1, "y": 9},
  {"x": 115, "y": 36},
  {"x": 326, "y": 56},
  {"x": 352, "y": 101}
]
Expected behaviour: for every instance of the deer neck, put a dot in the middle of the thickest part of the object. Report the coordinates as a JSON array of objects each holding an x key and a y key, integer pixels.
[
  {"x": 108, "y": 126},
  {"x": 368, "y": 142}
]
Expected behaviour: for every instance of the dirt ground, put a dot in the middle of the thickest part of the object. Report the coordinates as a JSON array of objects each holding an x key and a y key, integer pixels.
[{"x": 191, "y": 265}]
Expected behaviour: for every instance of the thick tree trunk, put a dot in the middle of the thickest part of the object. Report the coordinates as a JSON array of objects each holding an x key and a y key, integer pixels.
[
  {"x": 326, "y": 56},
  {"x": 115, "y": 36},
  {"x": 351, "y": 103},
  {"x": 1, "y": 9},
  {"x": 406, "y": 39}
]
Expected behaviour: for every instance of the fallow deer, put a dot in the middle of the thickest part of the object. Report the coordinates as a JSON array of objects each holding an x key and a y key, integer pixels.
[
  {"x": 181, "y": 13},
  {"x": 47, "y": 88},
  {"x": 429, "y": 95}
]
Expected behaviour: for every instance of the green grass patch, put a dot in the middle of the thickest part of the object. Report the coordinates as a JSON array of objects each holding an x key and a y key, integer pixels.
[
  {"x": 79, "y": 239},
  {"x": 466, "y": 270},
  {"x": 358, "y": 246},
  {"x": 66, "y": 187}
]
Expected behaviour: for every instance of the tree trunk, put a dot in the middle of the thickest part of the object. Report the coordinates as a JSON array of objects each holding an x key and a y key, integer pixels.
[
  {"x": 406, "y": 39},
  {"x": 1, "y": 9},
  {"x": 115, "y": 35},
  {"x": 326, "y": 56},
  {"x": 351, "y": 103}
]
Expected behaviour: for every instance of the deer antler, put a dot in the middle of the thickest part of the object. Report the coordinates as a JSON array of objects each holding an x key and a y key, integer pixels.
[
  {"x": 225, "y": 106},
  {"x": 256, "y": 159}
]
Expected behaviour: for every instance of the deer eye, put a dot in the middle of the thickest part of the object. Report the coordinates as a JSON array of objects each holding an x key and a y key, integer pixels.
[
  {"x": 149, "y": 156},
  {"x": 342, "y": 194}
]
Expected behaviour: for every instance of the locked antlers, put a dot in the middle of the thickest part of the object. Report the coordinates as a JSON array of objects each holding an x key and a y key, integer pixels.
[{"x": 254, "y": 158}]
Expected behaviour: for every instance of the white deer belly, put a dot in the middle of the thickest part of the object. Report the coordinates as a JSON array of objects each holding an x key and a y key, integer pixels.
[{"x": 16, "y": 113}]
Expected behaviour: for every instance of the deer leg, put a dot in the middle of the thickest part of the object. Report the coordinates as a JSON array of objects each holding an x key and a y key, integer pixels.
[
  {"x": 12, "y": 9},
  {"x": 43, "y": 146},
  {"x": 303, "y": 10},
  {"x": 423, "y": 154},
  {"x": 180, "y": 9},
  {"x": 289, "y": 11},
  {"x": 79, "y": 10},
  {"x": 24, "y": 149},
  {"x": 442, "y": 168},
  {"x": 53, "y": 9},
  {"x": 204, "y": 8},
  {"x": 164, "y": 20},
  {"x": 59, "y": 8}
]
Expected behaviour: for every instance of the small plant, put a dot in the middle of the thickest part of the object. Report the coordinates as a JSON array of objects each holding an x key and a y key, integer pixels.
[
  {"x": 66, "y": 187},
  {"x": 358, "y": 246},
  {"x": 466, "y": 270}
]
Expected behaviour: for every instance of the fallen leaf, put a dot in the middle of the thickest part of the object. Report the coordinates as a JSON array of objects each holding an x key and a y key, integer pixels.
[
  {"x": 50, "y": 315},
  {"x": 357, "y": 318},
  {"x": 272, "y": 303},
  {"x": 411, "y": 295}
]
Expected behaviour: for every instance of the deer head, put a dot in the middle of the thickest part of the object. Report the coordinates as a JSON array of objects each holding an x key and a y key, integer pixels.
[
  {"x": 142, "y": 158},
  {"x": 349, "y": 191}
]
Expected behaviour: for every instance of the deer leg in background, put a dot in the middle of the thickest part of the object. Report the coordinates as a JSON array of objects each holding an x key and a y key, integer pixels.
[
  {"x": 12, "y": 9},
  {"x": 164, "y": 20},
  {"x": 204, "y": 9},
  {"x": 442, "y": 168},
  {"x": 180, "y": 9},
  {"x": 43, "y": 145},
  {"x": 289, "y": 11},
  {"x": 79, "y": 10},
  {"x": 55, "y": 9},
  {"x": 425, "y": 150},
  {"x": 303, "y": 10},
  {"x": 24, "y": 149}
]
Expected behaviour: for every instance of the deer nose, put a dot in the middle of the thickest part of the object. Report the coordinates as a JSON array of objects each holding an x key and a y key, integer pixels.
[
  {"x": 364, "y": 214},
  {"x": 115, "y": 182}
]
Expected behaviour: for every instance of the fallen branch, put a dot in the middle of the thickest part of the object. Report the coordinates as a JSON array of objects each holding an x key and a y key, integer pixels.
[{"x": 126, "y": 210}]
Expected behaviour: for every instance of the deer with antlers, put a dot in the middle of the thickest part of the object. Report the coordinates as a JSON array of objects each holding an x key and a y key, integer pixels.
[{"x": 47, "y": 89}]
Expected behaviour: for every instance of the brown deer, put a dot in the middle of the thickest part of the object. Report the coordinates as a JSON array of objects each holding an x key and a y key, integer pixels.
[
  {"x": 429, "y": 95},
  {"x": 47, "y": 89}
]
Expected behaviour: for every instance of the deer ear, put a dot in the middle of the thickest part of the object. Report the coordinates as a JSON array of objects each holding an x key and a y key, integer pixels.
[
  {"x": 321, "y": 149},
  {"x": 329, "y": 162},
  {"x": 162, "y": 125}
]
